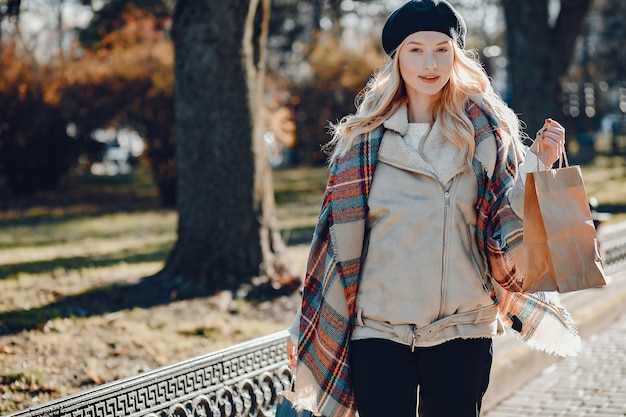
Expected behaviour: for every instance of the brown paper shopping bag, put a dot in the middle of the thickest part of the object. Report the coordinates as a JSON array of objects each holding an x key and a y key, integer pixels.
[{"x": 560, "y": 242}]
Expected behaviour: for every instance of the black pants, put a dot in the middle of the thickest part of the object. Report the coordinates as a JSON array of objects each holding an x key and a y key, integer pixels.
[{"x": 452, "y": 378}]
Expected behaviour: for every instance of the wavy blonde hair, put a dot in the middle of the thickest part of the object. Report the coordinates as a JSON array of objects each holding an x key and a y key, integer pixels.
[{"x": 385, "y": 93}]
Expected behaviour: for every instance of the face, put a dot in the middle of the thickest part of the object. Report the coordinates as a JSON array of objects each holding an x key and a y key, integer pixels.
[{"x": 425, "y": 61}]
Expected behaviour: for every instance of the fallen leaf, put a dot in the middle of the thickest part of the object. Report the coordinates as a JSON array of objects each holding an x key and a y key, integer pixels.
[
  {"x": 6, "y": 349},
  {"x": 95, "y": 378}
]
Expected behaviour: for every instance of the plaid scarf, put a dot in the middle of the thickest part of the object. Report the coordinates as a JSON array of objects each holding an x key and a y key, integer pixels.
[{"x": 334, "y": 264}]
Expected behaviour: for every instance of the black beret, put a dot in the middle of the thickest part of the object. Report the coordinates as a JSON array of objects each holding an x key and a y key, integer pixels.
[{"x": 418, "y": 15}]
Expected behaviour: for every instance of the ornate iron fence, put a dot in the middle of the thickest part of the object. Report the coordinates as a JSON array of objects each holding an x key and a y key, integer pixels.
[{"x": 242, "y": 380}]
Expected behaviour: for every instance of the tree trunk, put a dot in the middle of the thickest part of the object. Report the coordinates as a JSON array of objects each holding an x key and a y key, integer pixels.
[
  {"x": 225, "y": 197},
  {"x": 273, "y": 249},
  {"x": 540, "y": 53}
]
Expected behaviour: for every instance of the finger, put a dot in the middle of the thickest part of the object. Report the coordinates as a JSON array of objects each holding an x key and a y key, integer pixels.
[
  {"x": 553, "y": 130},
  {"x": 555, "y": 141},
  {"x": 553, "y": 123},
  {"x": 553, "y": 137}
]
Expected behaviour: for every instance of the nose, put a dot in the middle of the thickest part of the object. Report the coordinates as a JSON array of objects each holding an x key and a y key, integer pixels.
[{"x": 431, "y": 61}]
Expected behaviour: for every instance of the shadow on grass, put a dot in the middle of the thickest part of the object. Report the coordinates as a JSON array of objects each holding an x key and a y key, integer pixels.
[
  {"x": 47, "y": 240},
  {"x": 149, "y": 292},
  {"x": 298, "y": 235},
  {"x": 86, "y": 196},
  {"x": 152, "y": 253}
]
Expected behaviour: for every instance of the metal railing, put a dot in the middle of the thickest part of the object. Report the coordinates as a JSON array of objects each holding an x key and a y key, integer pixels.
[
  {"x": 613, "y": 245},
  {"x": 240, "y": 381}
]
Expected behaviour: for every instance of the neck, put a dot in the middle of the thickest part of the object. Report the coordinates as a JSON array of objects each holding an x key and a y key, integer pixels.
[{"x": 421, "y": 110}]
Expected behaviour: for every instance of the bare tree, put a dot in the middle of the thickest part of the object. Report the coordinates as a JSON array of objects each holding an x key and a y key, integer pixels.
[
  {"x": 540, "y": 47},
  {"x": 227, "y": 231}
]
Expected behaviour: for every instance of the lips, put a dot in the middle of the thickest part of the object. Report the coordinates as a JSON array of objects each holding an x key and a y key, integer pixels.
[{"x": 429, "y": 79}]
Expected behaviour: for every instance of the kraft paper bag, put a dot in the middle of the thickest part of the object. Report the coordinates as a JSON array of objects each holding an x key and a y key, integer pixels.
[{"x": 560, "y": 241}]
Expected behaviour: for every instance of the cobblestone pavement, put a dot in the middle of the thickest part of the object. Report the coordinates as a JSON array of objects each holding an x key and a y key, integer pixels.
[{"x": 590, "y": 384}]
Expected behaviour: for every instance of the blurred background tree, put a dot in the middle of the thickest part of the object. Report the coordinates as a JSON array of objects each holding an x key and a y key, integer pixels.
[
  {"x": 135, "y": 88},
  {"x": 35, "y": 150},
  {"x": 604, "y": 36},
  {"x": 120, "y": 75},
  {"x": 594, "y": 87},
  {"x": 541, "y": 39}
]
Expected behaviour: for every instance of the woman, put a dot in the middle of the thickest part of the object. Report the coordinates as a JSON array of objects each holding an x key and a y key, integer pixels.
[{"x": 414, "y": 264}]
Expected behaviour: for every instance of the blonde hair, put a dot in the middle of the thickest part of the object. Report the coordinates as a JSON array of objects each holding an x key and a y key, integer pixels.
[{"x": 385, "y": 93}]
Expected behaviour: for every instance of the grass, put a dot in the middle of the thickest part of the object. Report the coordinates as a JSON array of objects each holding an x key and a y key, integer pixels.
[
  {"x": 71, "y": 259},
  {"x": 84, "y": 242},
  {"x": 298, "y": 194},
  {"x": 605, "y": 180}
]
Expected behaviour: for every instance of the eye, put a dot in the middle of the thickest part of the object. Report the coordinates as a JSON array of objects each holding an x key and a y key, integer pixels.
[
  {"x": 442, "y": 50},
  {"x": 415, "y": 50}
]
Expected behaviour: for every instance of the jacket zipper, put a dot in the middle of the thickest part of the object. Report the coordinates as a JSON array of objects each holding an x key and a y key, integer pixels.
[
  {"x": 444, "y": 269},
  {"x": 442, "y": 300}
]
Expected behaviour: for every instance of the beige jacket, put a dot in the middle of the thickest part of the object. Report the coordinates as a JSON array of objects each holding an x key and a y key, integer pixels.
[{"x": 421, "y": 281}]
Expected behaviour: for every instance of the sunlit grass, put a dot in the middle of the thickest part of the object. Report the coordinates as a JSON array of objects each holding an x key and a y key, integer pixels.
[
  {"x": 605, "y": 180},
  {"x": 72, "y": 235},
  {"x": 89, "y": 233},
  {"x": 298, "y": 194},
  {"x": 86, "y": 241}
]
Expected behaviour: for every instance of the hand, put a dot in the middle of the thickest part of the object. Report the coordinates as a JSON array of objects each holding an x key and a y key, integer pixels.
[
  {"x": 550, "y": 140},
  {"x": 291, "y": 354}
]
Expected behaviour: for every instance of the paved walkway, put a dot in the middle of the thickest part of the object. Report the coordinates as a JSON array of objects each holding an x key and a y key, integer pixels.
[{"x": 590, "y": 384}]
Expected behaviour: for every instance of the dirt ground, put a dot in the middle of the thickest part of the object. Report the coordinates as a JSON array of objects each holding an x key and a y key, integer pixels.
[{"x": 75, "y": 350}]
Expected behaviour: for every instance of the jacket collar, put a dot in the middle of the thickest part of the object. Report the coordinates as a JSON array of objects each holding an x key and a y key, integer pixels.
[
  {"x": 486, "y": 151},
  {"x": 399, "y": 121}
]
